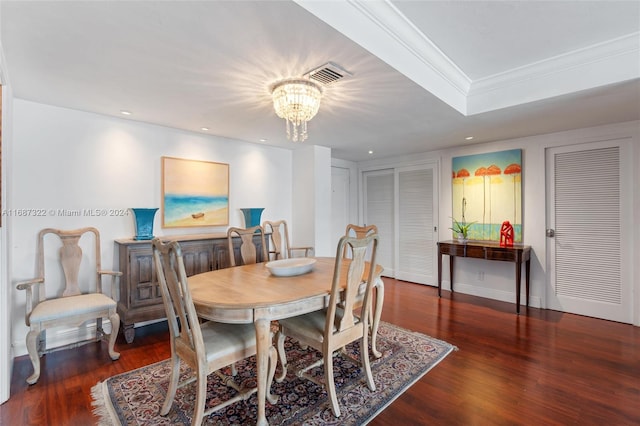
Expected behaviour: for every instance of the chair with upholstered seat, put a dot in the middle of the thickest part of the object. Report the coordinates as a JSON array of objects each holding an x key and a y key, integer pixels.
[
  {"x": 249, "y": 252},
  {"x": 358, "y": 231},
  {"x": 206, "y": 347},
  {"x": 336, "y": 326},
  {"x": 80, "y": 301},
  {"x": 280, "y": 247}
]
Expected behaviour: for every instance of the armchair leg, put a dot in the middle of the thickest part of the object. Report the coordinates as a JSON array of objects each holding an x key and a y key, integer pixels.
[
  {"x": 115, "y": 326},
  {"x": 100, "y": 334},
  {"x": 32, "y": 348}
]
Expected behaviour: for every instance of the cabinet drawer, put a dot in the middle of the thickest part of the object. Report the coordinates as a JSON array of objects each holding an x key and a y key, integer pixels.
[
  {"x": 501, "y": 254},
  {"x": 475, "y": 251},
  {"x": 452, "y": 249}
]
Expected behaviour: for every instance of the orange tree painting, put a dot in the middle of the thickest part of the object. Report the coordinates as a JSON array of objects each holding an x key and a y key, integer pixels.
[{"x": 487, "y": 190}]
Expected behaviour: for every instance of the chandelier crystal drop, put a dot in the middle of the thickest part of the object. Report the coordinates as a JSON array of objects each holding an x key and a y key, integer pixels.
[{"x": 297, "y": 100}]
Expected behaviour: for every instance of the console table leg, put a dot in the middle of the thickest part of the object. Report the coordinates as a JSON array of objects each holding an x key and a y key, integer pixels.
[
  {"x": 439, "y": 274},
  {"x": 451, "y": 271},
  {"x": 527, "y": 271},
  {"x": 518, "y": 273}
]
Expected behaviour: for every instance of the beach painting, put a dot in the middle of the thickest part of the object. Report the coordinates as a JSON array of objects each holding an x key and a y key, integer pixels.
[
  {"x": 194, "y": 193},
  {"x": 487, "y": 191}
]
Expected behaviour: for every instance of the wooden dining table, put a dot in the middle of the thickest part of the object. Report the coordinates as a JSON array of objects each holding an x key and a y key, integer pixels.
[{"x": 250, "y": 294}]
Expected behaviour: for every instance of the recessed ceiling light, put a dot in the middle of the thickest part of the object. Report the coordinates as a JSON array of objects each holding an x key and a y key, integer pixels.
[
  {"x": 123, "y": 112},
  {"x": 469, "y": 138},
  {"x": 263, "y": 140},
  {"x": 205, "y": 128},
  {"x": 370, "y": 152}
]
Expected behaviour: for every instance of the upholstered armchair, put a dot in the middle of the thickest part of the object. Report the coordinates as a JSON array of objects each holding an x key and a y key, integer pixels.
[{"x": 80, "y": 301}]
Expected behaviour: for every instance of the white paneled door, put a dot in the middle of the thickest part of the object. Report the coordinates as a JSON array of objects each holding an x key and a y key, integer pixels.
[
  {"x": 588, "y": 248},
  {"x": 379, "y": 210}
]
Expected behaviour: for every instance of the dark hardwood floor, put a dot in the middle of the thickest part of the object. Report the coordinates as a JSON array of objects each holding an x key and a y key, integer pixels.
[{"x": 539, "y": 368}]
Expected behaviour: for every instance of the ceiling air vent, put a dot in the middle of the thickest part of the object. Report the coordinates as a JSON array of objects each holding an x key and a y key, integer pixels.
[{"x": 328, "y": 73}]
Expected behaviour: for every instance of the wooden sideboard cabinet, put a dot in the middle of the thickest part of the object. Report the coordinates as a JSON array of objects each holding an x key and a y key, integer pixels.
[{"x": 140, "y": 299}]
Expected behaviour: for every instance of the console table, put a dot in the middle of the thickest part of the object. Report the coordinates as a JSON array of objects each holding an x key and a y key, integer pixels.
[
  {"x": 140, "y": 299},
  {"x": 488, "y": 250}
]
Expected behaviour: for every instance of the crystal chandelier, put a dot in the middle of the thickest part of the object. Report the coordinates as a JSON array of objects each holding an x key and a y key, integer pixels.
[{"x": 297, "y": 100}]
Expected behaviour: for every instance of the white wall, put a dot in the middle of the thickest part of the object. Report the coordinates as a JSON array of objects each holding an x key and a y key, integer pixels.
[
  {"x": 6, "y": 352},
  {"x": 66, "y": 159},
  {"x": 499, "y": 277},
  {"x": 312, "y": 191}
]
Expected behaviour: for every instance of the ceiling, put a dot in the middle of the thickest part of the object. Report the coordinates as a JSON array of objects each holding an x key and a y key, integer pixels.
[{"x": 425, "y": 74}]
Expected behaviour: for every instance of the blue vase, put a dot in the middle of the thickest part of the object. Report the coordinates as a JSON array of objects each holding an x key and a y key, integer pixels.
[
  {"x": 252, "y": 216},
  {"x": 144, "y": 223}
]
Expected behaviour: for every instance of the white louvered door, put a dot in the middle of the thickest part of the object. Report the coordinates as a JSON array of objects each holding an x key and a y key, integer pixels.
[
  {"x": 379, "y": 211},
  {"x": 588, "y": 245},
  {"x": 415, "y": 226},
  {"x": 402, "y": 202}
]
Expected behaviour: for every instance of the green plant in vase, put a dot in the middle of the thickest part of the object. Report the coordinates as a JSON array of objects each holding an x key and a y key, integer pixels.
[{"x": 461, "y": 229}]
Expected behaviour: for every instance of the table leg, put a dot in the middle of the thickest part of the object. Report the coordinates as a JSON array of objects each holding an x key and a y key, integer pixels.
[
  {"x": 263, "y": 343},
  {"x": 527, "y": 271},
  {"x": 439, "y": 274},
  {"x": 376, "y": 316},
  {"x": 518, "y": 273},
  {"x": 451, "y": 257}
]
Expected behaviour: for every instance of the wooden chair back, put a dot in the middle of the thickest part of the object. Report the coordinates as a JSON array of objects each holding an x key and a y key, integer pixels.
[
  {"x": 249, "y": 252},
  {"x": 70, "y": 257},
  {"x": 279, "y": 242},
  {"x": 186, "y": 338},
  {"x": 358, "y": 231},
  {"x": 278, "y": 238},
  {"x": 342, "y": 302}
]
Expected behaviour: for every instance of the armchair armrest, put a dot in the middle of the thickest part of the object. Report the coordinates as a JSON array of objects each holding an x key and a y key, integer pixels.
[
  {"x": 308, "y": 251},
  {"x": 28, "y": 286},
  {"x": 114, "y": 275}
]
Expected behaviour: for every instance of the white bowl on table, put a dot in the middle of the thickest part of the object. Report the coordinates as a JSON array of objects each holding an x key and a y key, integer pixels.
[{"x": 290, "y": 267}]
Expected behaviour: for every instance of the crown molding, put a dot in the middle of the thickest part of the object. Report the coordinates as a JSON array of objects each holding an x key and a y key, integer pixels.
[
  {"x": 601, "y": 64},
  {"x": 383, "y": 30}
]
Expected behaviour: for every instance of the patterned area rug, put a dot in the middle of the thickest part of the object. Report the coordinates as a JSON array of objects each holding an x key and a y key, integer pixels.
[{"x": 135, "y": 397}]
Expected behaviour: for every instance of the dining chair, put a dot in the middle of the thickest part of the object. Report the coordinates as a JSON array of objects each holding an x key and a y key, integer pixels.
[
  {"x": 279, "y": 243},
  {"x": 80, "y": 300},
  {"x": 358, "y": 231},
  {"x": 206, "y": 347},
  {"x": 336, "y": 326},
  {"x": 249, "y": 252}
]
